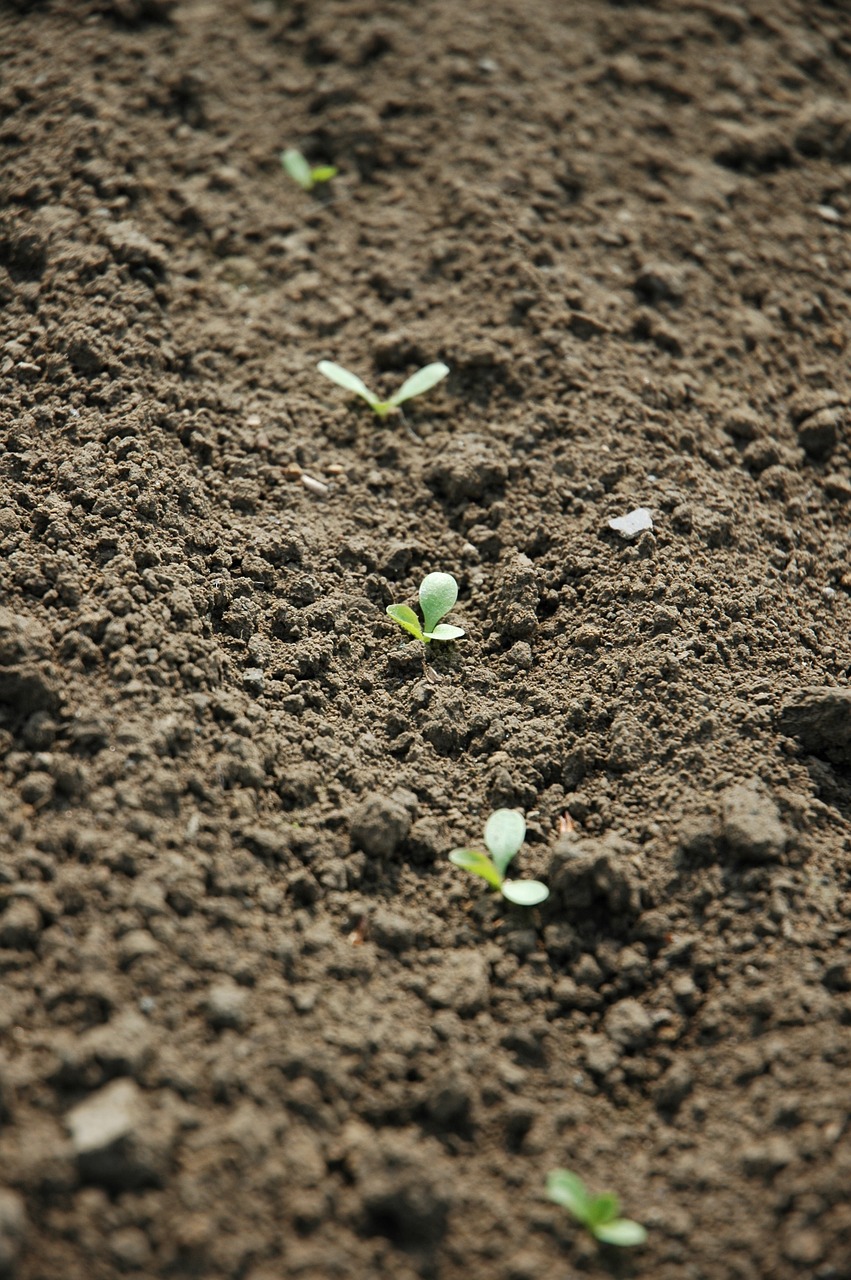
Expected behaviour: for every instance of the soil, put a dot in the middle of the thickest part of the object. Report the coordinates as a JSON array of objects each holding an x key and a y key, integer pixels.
[{"x": 254, "y": 1024}]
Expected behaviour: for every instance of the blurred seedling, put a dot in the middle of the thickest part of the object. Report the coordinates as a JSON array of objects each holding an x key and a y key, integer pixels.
[
  {"x": 418, "y": 383},
  {"x": 600, "y": 1214},
  {"x": 505, "y": 831},
  {"x": 306, "y": 175},
  {"x": 438, "y": 593}
]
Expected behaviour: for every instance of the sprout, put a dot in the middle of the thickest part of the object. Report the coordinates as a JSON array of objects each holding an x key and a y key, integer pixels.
[
  {"x": 598, "y": 1213},
  {"x": 423, "y": 380},
  {"x": 505, "y": 832},
  {"x": 307, "y": 176},
  {"x": 438, "y": 593}
]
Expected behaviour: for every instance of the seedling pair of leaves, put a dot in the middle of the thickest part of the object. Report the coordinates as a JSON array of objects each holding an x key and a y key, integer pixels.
[
  {"x": 505, "y": 832},
  {"x": 301, "y": 171},
  {"x": 423, "y": 380},
  {"x": 600, "y": 1214},
  {"x": 438, "y": 593}
]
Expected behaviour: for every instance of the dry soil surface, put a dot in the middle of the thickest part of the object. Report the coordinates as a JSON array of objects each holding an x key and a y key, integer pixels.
[{"x": 254, "y": 1024}]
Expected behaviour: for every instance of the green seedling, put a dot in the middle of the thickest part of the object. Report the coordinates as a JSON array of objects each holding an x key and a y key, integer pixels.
[
  {"x": 598, "y": 1213},
  {"x": 306, "y": 175},
  {"x": 423, "y": 380},
  {"x": 438, "y": 593},
  {"x": 505, "y": 831}
]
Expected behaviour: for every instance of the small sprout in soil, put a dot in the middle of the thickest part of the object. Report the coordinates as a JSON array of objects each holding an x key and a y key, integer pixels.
[
  {"x": 598, "y": 1213},
  {"x": 438, "y": 593},
  {"x": 505, "y": 831},
  {"x": 307, "y": 176},
  {"x": 423, "y": 380}
]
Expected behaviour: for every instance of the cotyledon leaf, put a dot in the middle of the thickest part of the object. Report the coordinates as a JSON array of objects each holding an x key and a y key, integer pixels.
[
  {"x": 406, "y": 618},
  {"x": 444, "y": 631},
  {"x": 525, "y": 893},
  {"x": 504, "y": 833},
  {"x": 568, "y": 1190},
  {"x": 423, "y": 380},
  {"x": 622, "y": 1231},
  {"x": 438, "y": 593},
  {"x": 478, "y": 863},
  {"x": 349, "y": 382}
]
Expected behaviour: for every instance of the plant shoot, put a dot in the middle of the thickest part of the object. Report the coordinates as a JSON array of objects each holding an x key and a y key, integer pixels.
[
  {"x": 505, "y": 832},
  {"x": 600, "y": 1214},
  {"x": 423, "y": 380},
  {"x": 306, "y": 175},
  {"x": 438, "y": 593}
]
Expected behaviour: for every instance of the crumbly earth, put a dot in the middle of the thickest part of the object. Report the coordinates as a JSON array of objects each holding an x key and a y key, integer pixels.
[{"x": 254, "y": 1024}]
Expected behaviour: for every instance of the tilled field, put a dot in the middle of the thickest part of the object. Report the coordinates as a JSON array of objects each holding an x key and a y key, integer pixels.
[{"x": 253, "y": 1024}]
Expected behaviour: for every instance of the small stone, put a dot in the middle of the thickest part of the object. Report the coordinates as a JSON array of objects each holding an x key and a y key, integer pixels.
[
  {"x": 119, "y": 1140},
  {"x": 601, "y": 1054},
  {"x": 462, "y": 983},
  {"x": 818, "y": 434},
  {"x": 39, "y": 732},
  {"x": 764, "y": 1159},
  {"x": 20, "y": 925},
  {"x": 837, "y": 976},
  {"x": 124, "y": 1046},
  {"x": 403, "y": 1183},
  {"x": 806, "y": 403},
  {"x": 253, "y": 680},
  {"x": 267, "y": 842},
  {"x": 132, "y": 246},
  {"x": 744, "y": 423},
  {"x": 13, "y": 1222},
  {"x": 804, "y": 1247},
  {"x": 633, "y": 523},
  {"x": 561, "y": 940},
  {"x": 380, "y": 825},
  {"x": 665, "y": 619},
  {"x": 37, "y": 788},
  {"x": 226, "y": 1006},
  {"x": 450, "y": 1099},
  {"x": 820, "y": 717},
  {"x": 674, "y": 1087},
  {"x": 587, "y": 972},
  {"x": 750, "y": 824},
  {"x": 628, "y": 1024},
  {"x": 660, "y": 282},
  {"x": 686, "y": 992},
  {"x": 520, "y": 656},
  {"x": 391, "y": 930},
  {"x": 136, "y": 945},
  {"x": 838, "y": 486},
  {"x": 130, "y": 1248},
  {"x": 588, "y": 872},
  {"x": 698, "y": 837},
  {"x": 629, "y": 747},
  {"x": 566, "y": 992}
]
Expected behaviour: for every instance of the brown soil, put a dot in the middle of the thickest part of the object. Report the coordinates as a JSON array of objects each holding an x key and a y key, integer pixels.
[{"x": 254, "y": 1024}]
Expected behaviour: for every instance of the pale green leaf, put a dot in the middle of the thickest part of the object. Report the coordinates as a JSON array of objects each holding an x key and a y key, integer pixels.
[
  {"x": 525, "y": 893},
  {"x": 348, "y": 381},
  {"x": 505, "y": 831},
  {"x": 623, "y": 1231},
  {"x": 444, "y": 631},
  {"x": 478, "y": 863},
  {"x": 438, "y": 593},
  {"x": 297, "y": 167},
  {"x": 568, "y": 1190},
  {"x": 604, "y": 1208},
  {"x": 423, "y": 380},
  {"x": 406, "y": 618}
]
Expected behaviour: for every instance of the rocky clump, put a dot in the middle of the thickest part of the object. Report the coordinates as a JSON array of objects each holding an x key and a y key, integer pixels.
[{"x": 820, "y": 718}]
